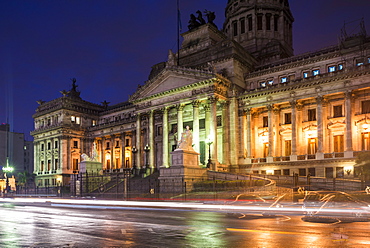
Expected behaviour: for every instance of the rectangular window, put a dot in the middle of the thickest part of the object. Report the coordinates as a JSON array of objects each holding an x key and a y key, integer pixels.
[
  {"x": 288, "y": 118},
  {"x": 117, "y": 144},
  {"x": 265, "y": 121},
  {"x": 42, "y": 147},
  {"x": 268, "y": 21},
  {"x": 276, "y": 22},
  {"x": 259, "y": 21},
  {"x": 288, "y": 148},
  {"x": 250, "y": 23},
  {"x": 108, "y": 145},
  {"x": 56, "y": 164},
  {"x": 263, "y": 84},
  {"x": 277, "y": 172},
  {"x": 365, "y": 138},
  {"x": 337, "y": 111},
  {"x": 312, "y": 146},
  {"x": 339, "y": 143},
  {"x": 127, "y": 142},
  {"x": 235, "y": 28},
  {"x": 284, "y": 80},
  {"x": 55, "y": 144},
  {"x": 42, "y": 166},
  {"x": 286, "y": 172},
  {"x": 49, "y": 165},
  {"x": 174, "y": 128},
  {"x": 311, "y": 113},
  {"x": 302, "y": 172},
  {"x": 312, "y": 171},
  {"x": 332, "y": 68},
  {"x": 75, "y": 144},
  {"x": 265, "y": 150},
  {"x": 365, "y": 107},
  {"x": 75, "y": 164},
  {"x": 315, "y": 72},
  {"x": 359, "y": 62},
  {"x": 93, "y": 123},
  {"x": 305, "y": 75},
  {"x": 242, "y": 26},
  {"x": 73, "y": 119},
  {"x": 340, "y": 67},
  {"x": 49, "y": 146},
  {"x": 159, "y": 130},
  {"x": 219, "y": 121},
  {"x": 270, "y": 82},
  {"x": 339, "y": 172}
]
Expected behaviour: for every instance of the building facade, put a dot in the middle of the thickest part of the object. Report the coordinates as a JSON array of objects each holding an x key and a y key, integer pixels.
[
  {"x": 15, "y": 151},
  {"x": 252, "y": 106}
]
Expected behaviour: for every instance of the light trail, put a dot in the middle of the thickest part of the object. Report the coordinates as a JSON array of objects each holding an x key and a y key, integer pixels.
[{"x": 112, "y": 204}]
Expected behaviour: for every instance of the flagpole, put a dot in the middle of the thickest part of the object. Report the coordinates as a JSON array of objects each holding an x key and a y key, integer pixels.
[{"x": 178, "y": 33}]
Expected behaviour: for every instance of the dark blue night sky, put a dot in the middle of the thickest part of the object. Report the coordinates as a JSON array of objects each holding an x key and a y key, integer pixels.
[{"x": 109, "y": 46}]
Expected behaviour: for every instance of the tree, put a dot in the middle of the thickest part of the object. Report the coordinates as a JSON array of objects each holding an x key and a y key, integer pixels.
[
  {"x": 24, "y": 178},
  {"x": 363, "y": 163}
]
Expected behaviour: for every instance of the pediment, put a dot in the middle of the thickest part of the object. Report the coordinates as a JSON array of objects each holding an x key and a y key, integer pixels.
[{"x": 169, "y": 80}]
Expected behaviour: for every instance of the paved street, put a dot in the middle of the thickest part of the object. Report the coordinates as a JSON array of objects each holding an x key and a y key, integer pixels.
[{"x": 32, "y": 226}]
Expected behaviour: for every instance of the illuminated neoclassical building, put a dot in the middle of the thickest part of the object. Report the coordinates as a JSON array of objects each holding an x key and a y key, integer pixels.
[{"x": 252, "y": 106}]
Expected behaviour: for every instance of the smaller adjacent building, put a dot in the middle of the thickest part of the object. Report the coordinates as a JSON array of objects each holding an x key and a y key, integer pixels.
[{"x": 15, "y": 151}]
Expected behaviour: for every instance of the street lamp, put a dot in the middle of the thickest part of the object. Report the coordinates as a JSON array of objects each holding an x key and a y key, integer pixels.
[
  {"x": 147, "y": 149},
  {"x": 209, "y": 143},
  {"x": 6, "y": 170},
  {"x": 134, "y": 151}
]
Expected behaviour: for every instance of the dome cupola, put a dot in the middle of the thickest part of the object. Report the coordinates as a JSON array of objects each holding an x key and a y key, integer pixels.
[{"x": 262, "y": 27}]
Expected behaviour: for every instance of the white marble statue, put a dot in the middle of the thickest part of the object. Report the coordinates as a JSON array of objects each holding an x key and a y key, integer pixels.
[{"x": 186, "y": 142}]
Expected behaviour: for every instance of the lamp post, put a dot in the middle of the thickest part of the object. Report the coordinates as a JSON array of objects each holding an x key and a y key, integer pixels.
[
  {"x": 134, "y": 151},
  {"x": 146, "y": 149},
  {"x": 7, "y": 170},
  {"x": 209, "y": 143}
]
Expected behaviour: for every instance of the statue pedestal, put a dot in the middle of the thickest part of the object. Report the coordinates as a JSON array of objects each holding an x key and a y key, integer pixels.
[
  {"x": 186, "y": 158},
  {"x": 90, "y": 166},
  {"x": 183, "y": 173}
]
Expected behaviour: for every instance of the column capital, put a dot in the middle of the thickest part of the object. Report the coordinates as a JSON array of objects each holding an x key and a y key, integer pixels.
[
  {"x": 248, "y": 111},
  {"x": 225, "y": 104},
  {"x": 212, "y": 99},
  {"x": 206, "y": 107},
  {"x": 321, "y": 100},
  {"x": 270, "y": 107},
  {"x": 180, "y": 106},
  {"x": 195, "y": 103},
  {"x": 276, "y": 109}
]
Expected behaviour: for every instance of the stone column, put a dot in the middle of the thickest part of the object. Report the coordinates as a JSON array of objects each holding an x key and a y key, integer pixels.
[
  {"x": 348, "y": 147},
  {"x": 123, "y": 149},
  {"x": 207, "y": 112},
  {"x": 301, "y": 142},
  {"x": 180, "y": 124},
  {"x": 112, "y": 156},
  {"x": 234, "y": 130},
  {"x": 196, "y": 125},
  {"x": 293, "y": 156},
  {"x": 138, "y": 142},
  {"x": 277, "y": 140},
  {"x": 151, "y": 130},
  {"x": 213, "y": 130},
  {"x": 248, "y": 112},
  {"x": 320, "y": 135},
  {"x": 165, "y": 138},
  {"x": 225, "y": 133},
  {"x": 243, "y": 143},
  {"x": 271, "y": 133}
]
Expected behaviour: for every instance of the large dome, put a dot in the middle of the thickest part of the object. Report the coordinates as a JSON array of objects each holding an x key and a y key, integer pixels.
[{"x": 256, "y": 23}]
